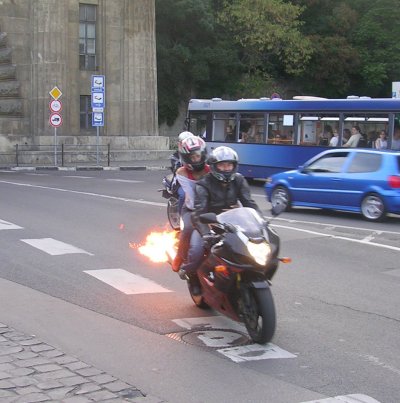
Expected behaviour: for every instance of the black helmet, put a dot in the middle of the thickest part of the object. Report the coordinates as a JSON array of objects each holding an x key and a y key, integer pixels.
[
  {"x": 191, "y": 146},
  {"x": 223, "y": 154}
]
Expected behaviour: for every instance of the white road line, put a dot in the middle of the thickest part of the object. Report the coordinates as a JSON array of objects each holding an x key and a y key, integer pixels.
[
  {"x": 362, "y": 241},
  {"x": 8, "y": 225},
  {"x": 127, "y": 282},
  {"x": 124, "y": 180},
  {"x": 7, "y": 172},
  {"x": 354, "y": 398},
  {"x": 36, "y": 174},
  {"x": 255, "y": 352},
  {"x": 78, "y": 177},
  {"x": 87, "y": 194},
  {"x": 54, "y": 247}
]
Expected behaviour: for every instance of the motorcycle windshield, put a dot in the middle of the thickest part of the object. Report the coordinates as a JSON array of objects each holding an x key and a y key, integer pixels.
[{"x": 245, "y": 219}]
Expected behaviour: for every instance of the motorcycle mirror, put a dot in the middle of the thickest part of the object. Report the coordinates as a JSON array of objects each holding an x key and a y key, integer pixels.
[
  {"x": 208, "y": 218},
  {"x": 278, "y": 208}
]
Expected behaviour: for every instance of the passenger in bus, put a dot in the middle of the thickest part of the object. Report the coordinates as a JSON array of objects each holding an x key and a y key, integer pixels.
[
  {"x": 355, "y": 137},
  {"x": 396, "y": 139},
  {"x": 229, "y": 134},
  {"x": 326, "y": 136},
  {"x": 381, "y": 141},
  {"x": 333, "y": 142},
  {"x": 346, "y": 136},
  {"x": 371, "y": 139}
]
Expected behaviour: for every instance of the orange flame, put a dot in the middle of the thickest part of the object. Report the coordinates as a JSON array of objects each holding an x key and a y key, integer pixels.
[{"x": 159, "y": 247}]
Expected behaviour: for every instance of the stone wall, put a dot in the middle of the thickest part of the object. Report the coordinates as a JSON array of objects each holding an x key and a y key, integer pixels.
[{"x": 39, "y": 49}]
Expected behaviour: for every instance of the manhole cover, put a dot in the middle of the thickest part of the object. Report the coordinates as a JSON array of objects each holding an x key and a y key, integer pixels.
[{"x": 215, "y": 338}]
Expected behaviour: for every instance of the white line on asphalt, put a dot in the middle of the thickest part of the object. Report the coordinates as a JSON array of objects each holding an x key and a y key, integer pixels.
[
  {"x": 78, "y": 177},
  {"x": 255, "y": 352},
  {"x": 54, "y": 247},
  {"x": 124, "y": 180},
  {"x": 36, "y": 174},
  {"x": 127, "y": 282},
  {"x": 354, "y": 398},
  {"x": 335, "y": 226},
  {"x": 8, "y": 225},
  {"x": 362, "y": 241},
  {"x": 88, "y": 194}
]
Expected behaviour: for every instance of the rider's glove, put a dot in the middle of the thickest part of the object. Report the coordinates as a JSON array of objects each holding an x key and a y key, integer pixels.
[{"x": 209, "y": 240}]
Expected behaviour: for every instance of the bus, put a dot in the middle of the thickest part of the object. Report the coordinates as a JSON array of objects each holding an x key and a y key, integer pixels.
[{"x": 275, "y": 135}]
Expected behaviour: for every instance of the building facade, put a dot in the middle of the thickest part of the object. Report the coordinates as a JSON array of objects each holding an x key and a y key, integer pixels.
[{"x": 63, "y": 43}]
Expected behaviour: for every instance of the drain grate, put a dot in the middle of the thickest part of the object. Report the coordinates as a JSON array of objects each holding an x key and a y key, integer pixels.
[{"x": 212, "y": 338}]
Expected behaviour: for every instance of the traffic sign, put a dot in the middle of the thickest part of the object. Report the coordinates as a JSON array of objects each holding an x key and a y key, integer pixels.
[
  {"x": 97, "y": 99},
  {"x": 55, "y": 93},
  {"x": 98, "y": 119},
  {"x": 55, "y": 120},
  {"x": 98, "y": 83},
  {"x": 55, "y": 106}
]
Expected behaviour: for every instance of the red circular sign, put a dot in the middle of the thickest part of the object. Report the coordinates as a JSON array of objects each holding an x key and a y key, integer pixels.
[
  {"x": 55, "y": 119},
  {"x": 55, "y": 106}
]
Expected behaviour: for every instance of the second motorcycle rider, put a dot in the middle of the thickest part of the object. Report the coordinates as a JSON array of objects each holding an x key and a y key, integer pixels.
[{"x": 193, "y": 153}]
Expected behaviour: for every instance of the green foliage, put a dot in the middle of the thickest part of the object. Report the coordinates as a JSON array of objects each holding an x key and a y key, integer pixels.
[{"x": 251, "y": 48}]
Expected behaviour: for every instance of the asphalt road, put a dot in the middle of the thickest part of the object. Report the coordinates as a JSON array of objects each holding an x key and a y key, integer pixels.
[{"x": 337, "y": 303}]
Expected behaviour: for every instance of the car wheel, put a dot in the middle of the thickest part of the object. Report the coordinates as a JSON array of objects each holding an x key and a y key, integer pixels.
[
  {"x": 373, "y": 207},
  {"x": 280, "y": 195}
]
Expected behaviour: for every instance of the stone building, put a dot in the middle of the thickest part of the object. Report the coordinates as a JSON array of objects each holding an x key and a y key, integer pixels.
[{"x": 63, "y": 43}]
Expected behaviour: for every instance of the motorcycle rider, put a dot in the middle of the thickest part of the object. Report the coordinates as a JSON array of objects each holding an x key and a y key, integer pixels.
[
  {"x": 176, "y": 163},
  {"x": 220, "y": 190},
  {"x": 193, "y": 153}
]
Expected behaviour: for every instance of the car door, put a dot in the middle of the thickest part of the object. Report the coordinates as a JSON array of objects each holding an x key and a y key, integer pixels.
[
  {"x": 360, "y": 174},
  {"x": 316, "y": 183}
]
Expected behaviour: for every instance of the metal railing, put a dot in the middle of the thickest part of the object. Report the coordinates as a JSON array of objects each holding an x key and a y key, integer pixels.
[{"x": 60, "y": 155}]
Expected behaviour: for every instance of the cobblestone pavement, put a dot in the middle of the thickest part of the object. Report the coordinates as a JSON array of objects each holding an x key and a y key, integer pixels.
[{"x": 33, "y": 371}]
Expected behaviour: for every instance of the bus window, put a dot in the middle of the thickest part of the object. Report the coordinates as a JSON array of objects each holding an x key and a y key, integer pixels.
[
  {"x": 251, "y": 128},
  {"x": 198, "y": 124},
  {"x": 317, "y": 129},
  {"x": 224, "y": 127},
  {"x": 370, "y": 124},
  {"x": 280, "y": 128}
]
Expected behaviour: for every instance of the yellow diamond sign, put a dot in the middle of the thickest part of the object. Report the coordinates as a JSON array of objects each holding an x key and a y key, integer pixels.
[{"x": 55, "y": 93}]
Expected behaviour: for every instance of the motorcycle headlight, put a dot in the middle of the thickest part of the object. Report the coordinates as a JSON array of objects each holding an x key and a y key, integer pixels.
[{"x": 259, "y": 251}]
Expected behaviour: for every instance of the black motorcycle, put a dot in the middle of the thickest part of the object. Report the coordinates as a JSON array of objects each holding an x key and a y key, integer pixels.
[
  {"x": 170, "y": 192},
  {"x": 236, "y": 273}
]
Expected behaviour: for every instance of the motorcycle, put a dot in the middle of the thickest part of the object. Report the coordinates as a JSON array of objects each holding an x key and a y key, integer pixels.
[
  {"x": 236, "y": 274},
  {"x": 170, "y": 192}
]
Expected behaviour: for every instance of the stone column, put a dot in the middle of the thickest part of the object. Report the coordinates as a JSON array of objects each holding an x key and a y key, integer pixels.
[
  {"x": 139, "y": 80},
  {"x": 49, "y": 19}
]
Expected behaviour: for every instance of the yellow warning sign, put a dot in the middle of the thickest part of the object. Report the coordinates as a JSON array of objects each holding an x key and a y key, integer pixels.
[{"x": 55, "y": 93}]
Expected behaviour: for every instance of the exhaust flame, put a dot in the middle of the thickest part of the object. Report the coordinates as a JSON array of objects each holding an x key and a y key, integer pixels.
[{"x": 159, "y": 247}]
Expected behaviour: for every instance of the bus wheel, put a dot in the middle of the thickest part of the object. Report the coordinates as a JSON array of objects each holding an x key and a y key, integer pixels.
[{"x": 280, "y": 195}]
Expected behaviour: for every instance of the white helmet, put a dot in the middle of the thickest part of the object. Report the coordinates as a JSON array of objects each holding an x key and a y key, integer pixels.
[{"x": 184, "y": 135}]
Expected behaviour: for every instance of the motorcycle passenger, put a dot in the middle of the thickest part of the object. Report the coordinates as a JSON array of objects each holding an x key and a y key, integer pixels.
[
  {"x": 220, "y": 190},
  {"x": 193, "y": 154},
  {"x": 176, "y": 163}
]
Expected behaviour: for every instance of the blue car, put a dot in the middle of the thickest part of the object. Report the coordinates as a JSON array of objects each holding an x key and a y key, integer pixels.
[{"x": 358, "y": 180}]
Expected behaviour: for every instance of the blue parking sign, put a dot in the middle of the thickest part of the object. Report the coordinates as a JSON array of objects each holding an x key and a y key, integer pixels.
[{"x": 97, "y": 119}]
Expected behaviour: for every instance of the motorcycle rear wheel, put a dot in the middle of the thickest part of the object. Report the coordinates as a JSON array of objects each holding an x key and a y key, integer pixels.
[
  {"x": 259, "y": 316},
  {"x": 173, "y": 212}
]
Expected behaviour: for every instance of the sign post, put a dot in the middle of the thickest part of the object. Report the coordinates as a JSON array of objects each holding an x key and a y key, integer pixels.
[
  {"x": 98, "y": 103},
  {"x": 55, "y": 117}
]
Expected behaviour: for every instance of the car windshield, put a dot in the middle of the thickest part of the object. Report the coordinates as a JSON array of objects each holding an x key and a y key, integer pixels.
[{"x": 245, "y": 218}]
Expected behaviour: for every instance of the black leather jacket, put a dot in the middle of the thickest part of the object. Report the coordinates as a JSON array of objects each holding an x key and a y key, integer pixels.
[{"x": 213, "y": 196}]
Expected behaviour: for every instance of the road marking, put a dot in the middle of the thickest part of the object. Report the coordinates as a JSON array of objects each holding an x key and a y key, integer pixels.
[
  {"x": 54, "y": 247},
  {"x": 158, "y": 204},
  {"x": 255, "y": 352},
  {"x": 124, "y": 180},
  {"x": 36, "y": 174},
  {"x": 354, "y": 398},
  {"x": 78, "y": 177},
  {"x": 8, "y": 225},
  {"x": 7, "y": 171},
  {"x": 127, "y": 282},
  {"x": 362, "y": 241}
]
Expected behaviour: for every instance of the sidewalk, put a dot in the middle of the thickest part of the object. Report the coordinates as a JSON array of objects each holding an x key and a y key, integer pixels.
[
  {"x": 33, "y": 371},
  {"x": 136, "y": 165}
]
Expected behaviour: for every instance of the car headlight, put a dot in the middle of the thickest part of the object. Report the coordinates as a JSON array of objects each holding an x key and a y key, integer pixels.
[{"x": 259, "y": 251}]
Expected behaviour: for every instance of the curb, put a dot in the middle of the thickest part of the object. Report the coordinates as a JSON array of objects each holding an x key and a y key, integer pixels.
[{"x": 86, "y": 168}]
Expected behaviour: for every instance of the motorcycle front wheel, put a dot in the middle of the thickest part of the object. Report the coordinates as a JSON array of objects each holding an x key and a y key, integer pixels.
[
  {"x": 173, "y": 212},
  {"x": 259, "y": 315}
]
